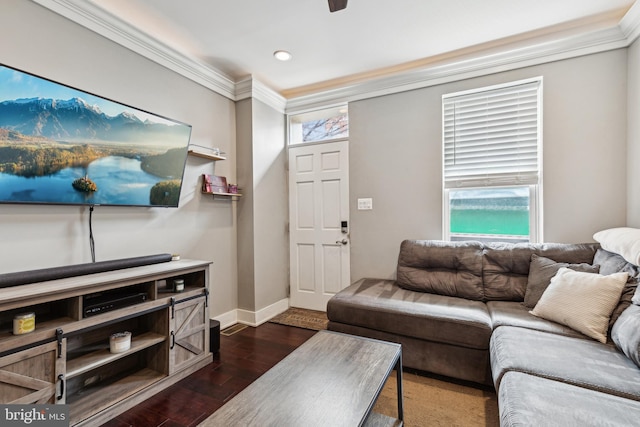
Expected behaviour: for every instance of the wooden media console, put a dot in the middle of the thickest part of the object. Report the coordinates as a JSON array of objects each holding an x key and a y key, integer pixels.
[{"x": 67, "y": 358}]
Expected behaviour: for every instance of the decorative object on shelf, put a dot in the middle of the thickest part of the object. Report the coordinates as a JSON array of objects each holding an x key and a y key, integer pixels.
[
  {"x": 217, "y": 186},
  {"x": 214, "y": 184},
  {"x": 24, "y": 323},
  {"x": 178, "y": 285},
  {"x": 206, "y": 183},
  {"x": 120, "y": 342}
]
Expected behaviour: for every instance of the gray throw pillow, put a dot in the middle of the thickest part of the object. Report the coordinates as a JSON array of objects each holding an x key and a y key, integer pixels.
[
  {"x": 542, "y": 270},
  {"x": 613, "y": 263},
  {"x": 636, "y": 296},
  {"x": 626, "y": 333}
]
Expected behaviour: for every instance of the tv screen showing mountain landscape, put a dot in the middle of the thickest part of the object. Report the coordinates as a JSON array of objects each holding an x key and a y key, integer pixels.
[{"x": 64, "y": 146}]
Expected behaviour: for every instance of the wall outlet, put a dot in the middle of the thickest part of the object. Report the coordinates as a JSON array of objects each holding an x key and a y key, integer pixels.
[{"x": 365, "y": 204}]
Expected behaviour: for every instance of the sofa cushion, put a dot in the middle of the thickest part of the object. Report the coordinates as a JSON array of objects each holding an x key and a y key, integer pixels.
[
  {"x": 527, "y": 400},
  {"x": 443, "y": 268},
  {"x": 613, "y": 263},
  {"x": 383, "y": 305},
  {"x": 505, "y": 270},
  {"x": 585, "y": 363},
  {"x": 511, "y": 313},
  {"x": 626, "y": 333},
  {"x": 582, "y": 301},
  {"x": 542, "y": 270},
  {"x": 609, "y": 262},
  {"x": 506, "y": 265}
]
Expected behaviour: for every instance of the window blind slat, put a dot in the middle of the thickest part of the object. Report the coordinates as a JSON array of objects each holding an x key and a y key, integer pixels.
[{"x": 491, "y": 137}]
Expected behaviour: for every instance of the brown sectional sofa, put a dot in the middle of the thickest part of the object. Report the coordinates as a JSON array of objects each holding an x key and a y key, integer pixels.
[{"x": 457, "y": 309}]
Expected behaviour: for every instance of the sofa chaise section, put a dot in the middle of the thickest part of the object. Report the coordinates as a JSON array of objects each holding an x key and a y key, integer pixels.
[{"x": 442, "y": 334}]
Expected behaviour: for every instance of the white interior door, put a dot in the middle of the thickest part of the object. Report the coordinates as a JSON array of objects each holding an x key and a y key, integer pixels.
[{"x": 318, "y": 209}]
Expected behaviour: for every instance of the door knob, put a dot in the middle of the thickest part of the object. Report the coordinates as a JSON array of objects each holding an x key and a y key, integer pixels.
[{"x": 343, "y": 241}]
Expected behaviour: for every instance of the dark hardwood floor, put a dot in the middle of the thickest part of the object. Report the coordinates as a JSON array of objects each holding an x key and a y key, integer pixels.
[{"x": 243, "y": 357}]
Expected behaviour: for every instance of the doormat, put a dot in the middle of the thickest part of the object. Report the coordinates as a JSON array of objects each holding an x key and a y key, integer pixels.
[
  {"x": 233, "y": 329},
  {"x": 302, "y": 318}
]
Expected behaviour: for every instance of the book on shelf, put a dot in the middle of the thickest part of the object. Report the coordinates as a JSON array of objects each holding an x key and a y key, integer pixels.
[{"x": 214, "y": 184}]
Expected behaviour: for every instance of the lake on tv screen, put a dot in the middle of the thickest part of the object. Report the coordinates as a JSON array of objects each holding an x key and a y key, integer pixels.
[{"x": 120, "y": 181}]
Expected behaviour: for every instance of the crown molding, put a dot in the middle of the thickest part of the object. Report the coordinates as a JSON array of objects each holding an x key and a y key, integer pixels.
[
  {"x": 477, "y": 64},
  {"x": 101, "y": 22},
  {"x": 250, "y": 87},
  {"x": 508, "y": 57},
  {"x": 630, "y": 23}
]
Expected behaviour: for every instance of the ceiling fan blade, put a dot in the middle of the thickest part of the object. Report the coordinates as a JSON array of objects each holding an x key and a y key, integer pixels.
[{"x": 335, "y": 5}]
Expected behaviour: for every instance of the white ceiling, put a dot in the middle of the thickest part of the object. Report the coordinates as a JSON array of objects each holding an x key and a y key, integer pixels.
[{"x": 371, "y": 38}]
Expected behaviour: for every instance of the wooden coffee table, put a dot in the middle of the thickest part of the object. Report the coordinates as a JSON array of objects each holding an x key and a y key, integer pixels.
[{"x": 333, "y": 379}]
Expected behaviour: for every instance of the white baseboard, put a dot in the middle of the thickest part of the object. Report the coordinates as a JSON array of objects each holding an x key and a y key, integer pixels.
[
  {"x": 256, "y": 318},
  {"x": 252, "y": 318},
  {"x": 227, "y": 319}
]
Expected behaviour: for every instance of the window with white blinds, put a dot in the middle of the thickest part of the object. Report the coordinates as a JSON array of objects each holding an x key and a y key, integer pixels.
[{"x": 492, "y": 136}]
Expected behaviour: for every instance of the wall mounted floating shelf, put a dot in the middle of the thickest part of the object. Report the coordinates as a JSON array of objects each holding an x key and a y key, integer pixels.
[
  {"x": 207, "y": 156},
  {"x": 233, "y": 196}
]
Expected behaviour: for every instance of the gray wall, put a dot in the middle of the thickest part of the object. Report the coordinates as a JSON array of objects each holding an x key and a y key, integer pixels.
[
  {"x": 271, "y": 205},
  {"x": 33, "y": 237},
  {"x": 263, "y": 241},
  {"x": 246, "y": 246},
  {"x": 633, "y": 136},
  {"x": 396, "y": 158}
]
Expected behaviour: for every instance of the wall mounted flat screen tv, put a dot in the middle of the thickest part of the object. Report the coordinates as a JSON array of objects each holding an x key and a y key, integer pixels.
[{"x": 64, "y": 146}]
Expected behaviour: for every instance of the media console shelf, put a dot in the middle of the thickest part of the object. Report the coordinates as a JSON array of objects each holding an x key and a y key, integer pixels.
[{"x": 67, "y": 358}]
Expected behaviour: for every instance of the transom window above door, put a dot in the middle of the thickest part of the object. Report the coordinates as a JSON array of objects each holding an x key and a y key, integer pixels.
[{"x": 319, "y": 125}]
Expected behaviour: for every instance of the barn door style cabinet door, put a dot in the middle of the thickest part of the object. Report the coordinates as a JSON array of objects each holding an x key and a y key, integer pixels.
[
  {"x": 68, "y": 358},
  {"x": 189, "y": 334},
  {"x": 33, "y": 376}
]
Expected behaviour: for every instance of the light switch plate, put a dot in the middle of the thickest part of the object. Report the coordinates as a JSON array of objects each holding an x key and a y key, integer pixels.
[{"x": 365, "y": 204}]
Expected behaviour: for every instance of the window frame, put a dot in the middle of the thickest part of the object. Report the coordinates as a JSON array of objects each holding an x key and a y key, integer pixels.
[{"x": 535, "y": 189}]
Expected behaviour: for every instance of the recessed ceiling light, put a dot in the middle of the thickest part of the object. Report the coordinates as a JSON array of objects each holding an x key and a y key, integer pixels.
[{"x": 282, "y": 55}]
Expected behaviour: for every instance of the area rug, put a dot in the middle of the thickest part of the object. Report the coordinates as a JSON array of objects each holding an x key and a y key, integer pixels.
[
  {"x": 432, "y": 402},
  {"x": 302, "y": 318}
]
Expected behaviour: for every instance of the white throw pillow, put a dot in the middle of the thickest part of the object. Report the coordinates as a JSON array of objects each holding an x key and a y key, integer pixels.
[
  {"x": 581, "y": 301},
  {"x": 624, "y": 241}
]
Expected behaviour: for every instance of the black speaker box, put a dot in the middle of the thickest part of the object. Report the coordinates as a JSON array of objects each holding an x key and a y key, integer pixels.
[{"x": 214, "y": 339}]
